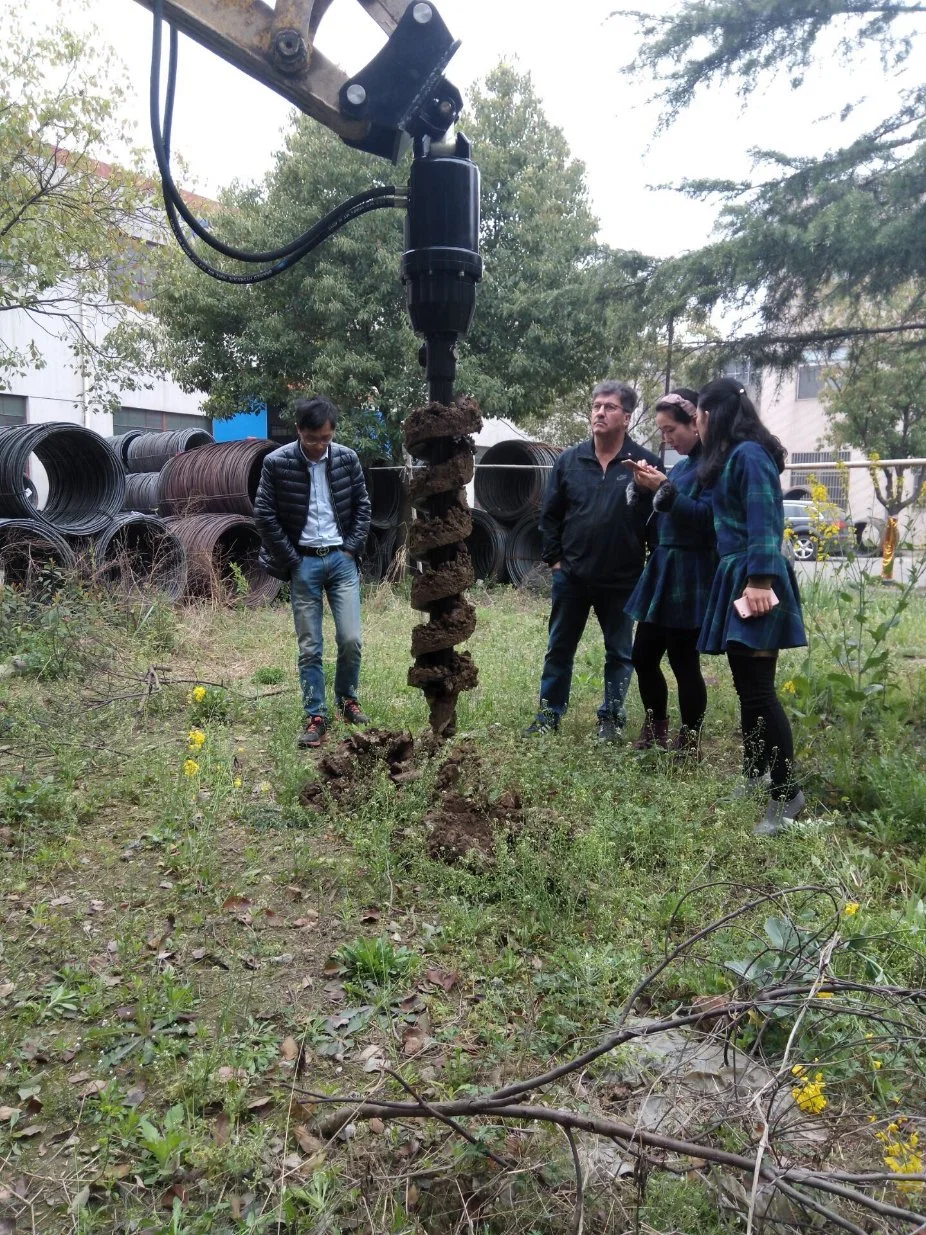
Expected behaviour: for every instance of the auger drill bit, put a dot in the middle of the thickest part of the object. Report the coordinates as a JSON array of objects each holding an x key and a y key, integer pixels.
[
  {"x": 439, "y": 435},
  {"x": 440, "y": 270}
]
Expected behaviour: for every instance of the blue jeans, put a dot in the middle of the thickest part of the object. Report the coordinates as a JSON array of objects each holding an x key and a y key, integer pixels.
[
  {"x": 571, "y": 605},
  {"x": 337, "y": 577}
]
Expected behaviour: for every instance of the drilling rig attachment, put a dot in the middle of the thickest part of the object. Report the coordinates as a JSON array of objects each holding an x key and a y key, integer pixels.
[{"x": 440, "y": 436}]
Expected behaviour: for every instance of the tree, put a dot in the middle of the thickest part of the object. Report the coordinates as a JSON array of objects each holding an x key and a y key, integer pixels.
[
  {"x": 875, "y": 398},
  {"x": 539, "y": 331},
  {"x": 806, "y": 232},
  {"x": 336, "y": 321},
  {"x": 67, "y": 221}
]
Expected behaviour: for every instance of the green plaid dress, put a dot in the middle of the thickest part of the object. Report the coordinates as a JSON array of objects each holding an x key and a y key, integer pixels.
[
  {"x": 676, "y": 582},
  {"x": 749, "y": 522}
]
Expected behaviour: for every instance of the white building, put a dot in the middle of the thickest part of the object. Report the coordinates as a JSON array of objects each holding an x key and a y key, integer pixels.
[{"x": 790, "y": 407}]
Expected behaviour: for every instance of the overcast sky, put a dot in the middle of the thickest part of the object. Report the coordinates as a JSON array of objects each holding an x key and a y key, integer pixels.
[{"x": 227, "y": 126}]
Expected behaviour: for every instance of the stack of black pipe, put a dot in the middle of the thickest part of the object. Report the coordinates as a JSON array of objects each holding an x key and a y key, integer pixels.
[
  {"x": 86, "y": 486},
  {"x": 511, "y": 480},
  {"x": 385, "y": 485}
]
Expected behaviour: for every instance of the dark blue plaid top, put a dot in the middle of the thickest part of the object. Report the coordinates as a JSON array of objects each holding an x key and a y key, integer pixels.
[
  {"x": 749, "y": 522},
  {"x": 674, "y": 588}
]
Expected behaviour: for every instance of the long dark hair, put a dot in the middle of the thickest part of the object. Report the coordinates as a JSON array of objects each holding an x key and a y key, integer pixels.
[{"x": 732, "y": 419}]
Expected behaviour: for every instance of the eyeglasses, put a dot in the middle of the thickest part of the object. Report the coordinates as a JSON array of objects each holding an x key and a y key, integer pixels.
[{"x": 608, "y": 407}]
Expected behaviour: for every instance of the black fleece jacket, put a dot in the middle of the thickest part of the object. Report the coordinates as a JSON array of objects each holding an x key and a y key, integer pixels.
[
  {"x": 586, "y": 522},
  {"x": 282, "y": 503}
]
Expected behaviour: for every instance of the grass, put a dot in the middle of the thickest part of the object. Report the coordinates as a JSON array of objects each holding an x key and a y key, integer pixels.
[{"x": 183, "y": 955}]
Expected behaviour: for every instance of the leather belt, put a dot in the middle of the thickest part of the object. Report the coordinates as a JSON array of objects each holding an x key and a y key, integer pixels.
[{"x": 313, "y": 551}]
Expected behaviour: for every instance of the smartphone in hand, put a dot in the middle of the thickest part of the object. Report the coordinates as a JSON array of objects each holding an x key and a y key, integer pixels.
[{"x": 742, "y": 607}]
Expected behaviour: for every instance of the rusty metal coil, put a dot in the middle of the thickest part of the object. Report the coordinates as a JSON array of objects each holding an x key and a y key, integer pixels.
[
  {"x": 150, "y": 451},
  {"x": 512, "y": 478},
  {"x": 486, "y": 544},
  {"x": 142, "y": 490},
  {"x": 120, "y": 443},
  {"x": 86, "y": 481},
  {"x": 439, "y": 436},
  {"x": 220, "y": 479},
  {"x": 28, "y": 548},
  {"x": 523, "y": 555},
  {"x": 139, "y": 553},
  {"x": 222, "y": 558}
]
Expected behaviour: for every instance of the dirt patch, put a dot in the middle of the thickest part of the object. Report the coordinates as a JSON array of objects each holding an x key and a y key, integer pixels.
[
  {"x": 341, "y": 770},
  {"x": 462, "y": 823}
]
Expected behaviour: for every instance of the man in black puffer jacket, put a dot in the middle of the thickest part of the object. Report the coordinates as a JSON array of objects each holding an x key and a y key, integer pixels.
[{"x": 313, "y": 515}]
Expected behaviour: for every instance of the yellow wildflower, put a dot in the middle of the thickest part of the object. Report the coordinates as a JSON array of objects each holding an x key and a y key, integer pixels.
[
  {"x": 265, "y": 786},
  {"x": 197, "y": 694},
  {"x": 798, "y": 1069},
  {"x": 196, "y": 739},
  {"x": 190, "y": 767},
  {"x": 877, "y": 1064},
  {"x": 809, "y": 1095},
  {"x": 901, "y": 1155},
  {"x": 851, "y": 908},
  {"x": 237, "y": 782},
  {"x": 789, "y": 687}
]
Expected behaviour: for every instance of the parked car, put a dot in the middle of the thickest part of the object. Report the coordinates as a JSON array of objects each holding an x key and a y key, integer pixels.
[{"x": 807, "y": 521}]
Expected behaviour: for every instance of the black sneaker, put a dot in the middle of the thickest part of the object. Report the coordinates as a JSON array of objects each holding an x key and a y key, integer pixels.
[
  {"x": 540, "y": 725},
  {"x": 313, "y": 734},
  {"x": 351, "y": 713},
  {"x": 609, "y": 730}
]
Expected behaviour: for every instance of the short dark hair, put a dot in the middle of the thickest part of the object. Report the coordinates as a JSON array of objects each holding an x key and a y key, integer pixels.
[
  {"x": 626, "y": 394},
  {"x": 315, "y": 412}
]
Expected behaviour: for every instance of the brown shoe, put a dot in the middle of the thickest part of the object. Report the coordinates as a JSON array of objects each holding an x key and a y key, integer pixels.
[
  {"x": 314, "y": 733},
  {"x": 351, "y": 713},
  {"x": 653, "y": 733}
]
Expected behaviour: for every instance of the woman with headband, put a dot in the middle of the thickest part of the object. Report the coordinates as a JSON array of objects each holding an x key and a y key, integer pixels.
[
  {"x": 671, "y": 597},
  {"x": 754, "y": 608}
]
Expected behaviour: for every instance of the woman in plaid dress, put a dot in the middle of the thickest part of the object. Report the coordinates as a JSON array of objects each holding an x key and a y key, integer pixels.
[
  {"x": 670, "y": 599},
  {"x": 742, "y": 463}
]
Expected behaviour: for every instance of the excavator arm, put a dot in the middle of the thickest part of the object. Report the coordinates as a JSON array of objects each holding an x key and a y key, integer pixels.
[{"x": 399, "y": 95}]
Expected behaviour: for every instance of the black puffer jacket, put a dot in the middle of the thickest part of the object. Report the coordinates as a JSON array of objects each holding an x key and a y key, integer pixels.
[{"x": 282, "y": 503}]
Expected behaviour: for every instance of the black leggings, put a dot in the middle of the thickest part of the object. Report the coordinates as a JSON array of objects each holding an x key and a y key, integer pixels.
[
  {"x": 650, "y": 644},
  {"x": 768, "y": 745}
]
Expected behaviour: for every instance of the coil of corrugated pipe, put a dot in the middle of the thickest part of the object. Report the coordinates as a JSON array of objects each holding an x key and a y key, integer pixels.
[
  {"x": 512, "y": 477},
  {"x": 150, "y": 451},
  {"x": 86, "y": 481},
  {"x": 142, "y": 492},
  {"x": 27, "y": 548},
  {"x": 140, "y": 553},
  {"x": 486, "y": 544},
  {"x": 523, "y": 560},
  {"x": 219, "y": 479},
  {"x": 120, "y": 443},
  {"x": 222, "y": 553},
  {"x": 384, "y": 485}
]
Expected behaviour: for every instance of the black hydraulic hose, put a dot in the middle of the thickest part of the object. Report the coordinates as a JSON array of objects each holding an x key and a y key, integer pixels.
[{"x": 288, "y": 255}]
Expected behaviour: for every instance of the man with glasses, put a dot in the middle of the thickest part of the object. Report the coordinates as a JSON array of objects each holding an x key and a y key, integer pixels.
[
  {"x": 595, "y": 541},
  {"x": 313, "y": 514}
]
